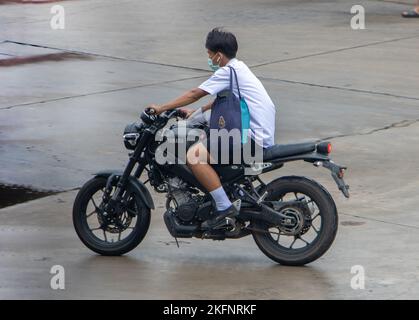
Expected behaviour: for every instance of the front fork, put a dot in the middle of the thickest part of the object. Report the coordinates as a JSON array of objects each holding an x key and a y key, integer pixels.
[{"x": 112, "y": 202}]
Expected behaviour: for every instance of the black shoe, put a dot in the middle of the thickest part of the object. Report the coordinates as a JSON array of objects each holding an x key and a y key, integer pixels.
[{"x": 220, "y": 217}]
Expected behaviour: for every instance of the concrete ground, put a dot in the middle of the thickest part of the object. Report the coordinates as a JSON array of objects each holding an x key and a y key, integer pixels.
[{"x": 62, "y": 120}]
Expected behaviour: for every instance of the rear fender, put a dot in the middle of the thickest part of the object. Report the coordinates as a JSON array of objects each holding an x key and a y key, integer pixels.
[{"x": 317, "y": 159}]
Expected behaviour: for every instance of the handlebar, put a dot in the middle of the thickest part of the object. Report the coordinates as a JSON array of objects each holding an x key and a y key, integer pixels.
[
  {"x": 149, "y": 111},
  {"x": 167, "y": 114},
  {"x": 149, "y": 116}
]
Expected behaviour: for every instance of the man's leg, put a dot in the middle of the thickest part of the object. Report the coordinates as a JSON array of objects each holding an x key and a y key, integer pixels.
[
  {"x": 414, "y": 13},
  {"x": 198, "y": 160}
]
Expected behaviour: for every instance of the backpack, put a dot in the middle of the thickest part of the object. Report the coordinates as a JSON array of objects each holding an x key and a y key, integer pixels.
[{"x": 229, "y": 112}]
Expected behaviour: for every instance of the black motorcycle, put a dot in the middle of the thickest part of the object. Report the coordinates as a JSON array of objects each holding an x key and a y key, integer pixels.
[{"x": 292, "y": 219}]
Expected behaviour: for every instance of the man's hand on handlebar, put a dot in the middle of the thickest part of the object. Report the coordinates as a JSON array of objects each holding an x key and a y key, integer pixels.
[
  {"x": 154, "y": 109},
  {"x": 186, "y": 112},
  {"x": 151, "y": 110}
]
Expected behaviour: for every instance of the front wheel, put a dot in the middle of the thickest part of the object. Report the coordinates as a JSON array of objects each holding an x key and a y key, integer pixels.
[
  {"x": 109, "y": 235},
  {"x": 315, "y": 212}
]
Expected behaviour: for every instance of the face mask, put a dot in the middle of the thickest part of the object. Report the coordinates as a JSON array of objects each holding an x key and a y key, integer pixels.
[{"x": 214, "y": 67}]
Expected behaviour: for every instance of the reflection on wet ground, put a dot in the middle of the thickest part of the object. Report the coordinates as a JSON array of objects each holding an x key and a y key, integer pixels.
[
  {"x": 27, "y": 1},
  {"x": 60, "y": 56},
  {"x": 13, "y": 194}
]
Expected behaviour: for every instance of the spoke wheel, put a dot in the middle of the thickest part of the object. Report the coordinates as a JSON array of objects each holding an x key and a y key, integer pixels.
[
  {"x": 105, "y": 232},
  {"x": 307, "y": 227},
  {"x": 315, "y": 227}
]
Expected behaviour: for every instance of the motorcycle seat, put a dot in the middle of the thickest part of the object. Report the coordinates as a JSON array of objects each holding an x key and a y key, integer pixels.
[{"x": 287, "y": 150}]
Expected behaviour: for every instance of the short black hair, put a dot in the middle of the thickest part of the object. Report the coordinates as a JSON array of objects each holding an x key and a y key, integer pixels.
[{"x": 222, "y": 41}]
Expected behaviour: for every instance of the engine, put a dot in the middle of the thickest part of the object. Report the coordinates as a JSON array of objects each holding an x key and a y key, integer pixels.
[{"x": 182, "y": 201}]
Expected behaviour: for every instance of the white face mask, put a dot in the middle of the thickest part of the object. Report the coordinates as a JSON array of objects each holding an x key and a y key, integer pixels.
[{"x": 213, "y": 66}]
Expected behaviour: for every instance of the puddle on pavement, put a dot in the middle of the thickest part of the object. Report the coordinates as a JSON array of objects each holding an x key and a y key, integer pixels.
[{"x": 13, "y": 194}]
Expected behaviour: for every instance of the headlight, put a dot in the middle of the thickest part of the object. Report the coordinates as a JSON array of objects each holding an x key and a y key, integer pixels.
[{"x": 131, "y": 135}]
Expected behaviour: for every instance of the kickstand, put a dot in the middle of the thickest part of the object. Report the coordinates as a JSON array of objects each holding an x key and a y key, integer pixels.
[{"x": 177, "y": 243}]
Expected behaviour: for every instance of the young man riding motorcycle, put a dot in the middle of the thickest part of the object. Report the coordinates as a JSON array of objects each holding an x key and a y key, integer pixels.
[{"x": 222, "y": 48}]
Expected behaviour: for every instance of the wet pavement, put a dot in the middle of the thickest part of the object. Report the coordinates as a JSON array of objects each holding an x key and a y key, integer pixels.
[{"x": 61, "y": 119}]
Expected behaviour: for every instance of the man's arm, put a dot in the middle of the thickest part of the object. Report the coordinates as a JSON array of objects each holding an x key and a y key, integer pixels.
[
  {"x": 187, "y": 98},
  {"x": 188, "y": 112}
]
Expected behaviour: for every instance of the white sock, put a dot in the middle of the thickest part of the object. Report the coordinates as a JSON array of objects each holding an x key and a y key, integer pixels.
[{"x": 221, "y": 200}]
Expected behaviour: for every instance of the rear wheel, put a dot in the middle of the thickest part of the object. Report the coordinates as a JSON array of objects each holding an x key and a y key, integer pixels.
[
  {"x": 104, "y": 235},
  {"x": 315, "y": 229}
]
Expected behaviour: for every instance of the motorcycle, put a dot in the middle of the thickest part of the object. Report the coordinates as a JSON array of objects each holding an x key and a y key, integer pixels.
[{"x": 293, "y": 219}]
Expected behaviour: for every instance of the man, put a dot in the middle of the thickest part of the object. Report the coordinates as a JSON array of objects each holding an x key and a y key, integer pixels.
[
  {"x": 413, "y": 13},
  {"x": 222, "y": 48}
]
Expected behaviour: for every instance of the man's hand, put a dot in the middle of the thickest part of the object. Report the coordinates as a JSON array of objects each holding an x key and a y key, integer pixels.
[
  {"x": 187, "y": 98},
  {"x": 207, "y": 106},
  {"x": 157, "y": 109},
  {"x": 186, "y": 112}
]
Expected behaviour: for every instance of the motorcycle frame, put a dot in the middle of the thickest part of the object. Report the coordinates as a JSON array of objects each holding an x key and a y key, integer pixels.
[{"x": 141, "y": 156}]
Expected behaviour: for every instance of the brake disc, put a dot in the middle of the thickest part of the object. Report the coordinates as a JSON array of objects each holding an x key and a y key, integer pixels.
[{"x": 117, "y": 223}]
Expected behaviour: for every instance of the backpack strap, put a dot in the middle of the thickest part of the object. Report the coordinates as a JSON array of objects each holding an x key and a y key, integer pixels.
[
  {"x": 233, "y": 71},
  {"x": 231, "y": 79}
]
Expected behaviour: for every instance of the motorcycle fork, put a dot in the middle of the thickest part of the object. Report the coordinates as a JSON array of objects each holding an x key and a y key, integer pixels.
[{"x": 123, "y": 179}]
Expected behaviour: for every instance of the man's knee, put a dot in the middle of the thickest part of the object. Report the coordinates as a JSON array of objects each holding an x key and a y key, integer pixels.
[
  {"x": 190, "y": 155},
  {"x": 196, "y": 154}
]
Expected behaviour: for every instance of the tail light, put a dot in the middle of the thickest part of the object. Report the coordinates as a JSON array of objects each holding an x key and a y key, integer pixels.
[
  {"x": 329, "y": 148},
  {"x": 324, "y": 147}
]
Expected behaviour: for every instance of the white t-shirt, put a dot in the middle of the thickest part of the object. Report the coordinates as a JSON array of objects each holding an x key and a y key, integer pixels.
[{"x": 261, "y": 107}]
